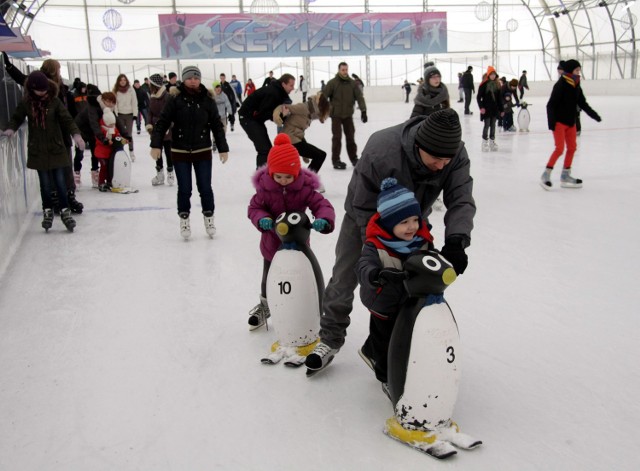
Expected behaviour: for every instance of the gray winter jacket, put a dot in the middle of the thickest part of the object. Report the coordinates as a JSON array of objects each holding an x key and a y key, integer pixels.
[{"x": 391, "y": 152}]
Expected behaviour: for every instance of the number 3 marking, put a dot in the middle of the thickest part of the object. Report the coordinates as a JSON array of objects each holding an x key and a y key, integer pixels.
[{"x": 452, "y": 355}]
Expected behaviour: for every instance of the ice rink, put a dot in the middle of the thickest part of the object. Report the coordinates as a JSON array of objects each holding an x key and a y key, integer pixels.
[{"x": 124, "y": 347}]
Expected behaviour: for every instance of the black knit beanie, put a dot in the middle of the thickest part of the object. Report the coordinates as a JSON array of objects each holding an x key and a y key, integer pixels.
[
  {"x": 37, "y": 81},
  {"x": 440, "y": 134},
  {"x": 571, "y": 65}
]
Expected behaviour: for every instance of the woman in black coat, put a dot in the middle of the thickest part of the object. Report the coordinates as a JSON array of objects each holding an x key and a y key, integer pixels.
[{"x": 491, "y": 106}]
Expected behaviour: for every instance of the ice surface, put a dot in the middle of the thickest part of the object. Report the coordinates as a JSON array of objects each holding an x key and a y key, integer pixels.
[{"x": 124, "y": 347}]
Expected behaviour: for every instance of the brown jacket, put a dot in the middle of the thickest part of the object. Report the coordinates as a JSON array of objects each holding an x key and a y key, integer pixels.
[{"x": 296, "y": 123}]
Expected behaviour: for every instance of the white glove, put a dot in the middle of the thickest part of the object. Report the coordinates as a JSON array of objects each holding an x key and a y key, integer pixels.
[
  {"x": 7, "y": 132},
  {"x": 224, "y": 156},
  {"x": 80, "y": 144},
  {"x": 155, "y": 153}
]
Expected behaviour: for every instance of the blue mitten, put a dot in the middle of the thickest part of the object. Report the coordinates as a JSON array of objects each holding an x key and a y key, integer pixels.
[
  {"x": 266, "y": 224},
  {"x": 320, "y": 224}
]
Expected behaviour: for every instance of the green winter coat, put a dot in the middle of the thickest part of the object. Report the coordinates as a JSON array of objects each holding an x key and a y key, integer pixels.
[
  {"x": 46, "y": 147},
  {"x": 342, "y": 92}
]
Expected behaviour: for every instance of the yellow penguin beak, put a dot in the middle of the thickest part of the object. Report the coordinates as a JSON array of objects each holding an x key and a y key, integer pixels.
[
  {"x": 449, "y": 276},
  {"x": 282, "y": 229}
]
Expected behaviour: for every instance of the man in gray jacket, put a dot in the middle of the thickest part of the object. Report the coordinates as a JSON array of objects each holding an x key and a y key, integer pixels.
[{"x": 425, "y": 155}]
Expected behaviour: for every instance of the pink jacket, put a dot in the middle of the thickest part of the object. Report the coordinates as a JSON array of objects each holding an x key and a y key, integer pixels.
[{"x": 272, "y": 199}]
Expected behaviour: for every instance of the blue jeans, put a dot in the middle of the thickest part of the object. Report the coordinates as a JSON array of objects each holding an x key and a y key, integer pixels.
[
  {"x": 185, "y": 185},
  {"x": 53, "y": 180}
]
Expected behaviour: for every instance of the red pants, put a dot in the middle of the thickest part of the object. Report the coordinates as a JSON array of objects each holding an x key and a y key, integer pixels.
[{"x": 562, "y": 134}]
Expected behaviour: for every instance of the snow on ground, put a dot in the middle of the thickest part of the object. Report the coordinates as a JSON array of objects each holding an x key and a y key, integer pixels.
[{"x": 123, "y": 347}]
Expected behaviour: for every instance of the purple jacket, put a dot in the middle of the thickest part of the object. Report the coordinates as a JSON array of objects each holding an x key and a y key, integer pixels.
[{"x": 272, "y": 199}]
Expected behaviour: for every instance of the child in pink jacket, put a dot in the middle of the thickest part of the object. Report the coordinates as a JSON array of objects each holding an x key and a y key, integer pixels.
[{"x": 283, "y": 186}]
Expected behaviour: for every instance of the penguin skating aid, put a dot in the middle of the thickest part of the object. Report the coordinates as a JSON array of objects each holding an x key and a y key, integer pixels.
[
  {"x": 424, "y": 362},
  {"x": 524, "y": 118},
  {"x": 294, "y": 290},
  {"x": 121, "y": 181}
]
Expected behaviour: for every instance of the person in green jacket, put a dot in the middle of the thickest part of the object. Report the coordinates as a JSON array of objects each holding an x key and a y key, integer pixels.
[
  {"x": 47, "y": 152},
  {"x": 342, "y": 92}
]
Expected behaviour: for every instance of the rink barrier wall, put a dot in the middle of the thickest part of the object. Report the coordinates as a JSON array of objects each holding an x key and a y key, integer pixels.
[
  {"x": 19, "y": 194},
  {"x": 395, "y": 93}
]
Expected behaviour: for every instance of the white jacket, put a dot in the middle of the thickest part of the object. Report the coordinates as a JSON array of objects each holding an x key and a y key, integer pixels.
[
  {"x": 127, "y": 102},
  {"x": 303, "y": 86}
]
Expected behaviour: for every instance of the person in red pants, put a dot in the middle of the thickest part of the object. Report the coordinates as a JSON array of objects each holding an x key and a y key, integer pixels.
[{"x": 561, "y": 115}]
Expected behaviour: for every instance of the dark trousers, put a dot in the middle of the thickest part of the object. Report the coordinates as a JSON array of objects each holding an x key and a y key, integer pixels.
[
  {"x": 265, "y": 272},
  {"x": 507, "y": 121},
  {"x": 489, "y": 128},
  {"x": 202, "y": 169},
  {"x": 166, "y": 145},
  {"x": 309, "y": 151},
  {"x": 143, "y": 113},
  {"x": 337, "y": 126},
  {"x": 467, "y": 99},
  {"x": 406, "y": 100},
  {"x": 77, "y": 159},
  {"x": 53, "y": 180},
  {"x": 376, "y": 346},
  {"x": 258, "y": 134}
]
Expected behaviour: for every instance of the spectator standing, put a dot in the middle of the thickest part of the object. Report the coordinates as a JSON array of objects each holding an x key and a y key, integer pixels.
[
  {"x": 269, "y": 80},
  {"x": 302, "y": 87},
  {"x": 522, "y": 83},
  {"x": 469, "y": 89},
  {"x": 249, "y": 88},
  {"x": 342, "y": 92},
  {"x": 237, "y": 88},
  {"x": 143, "y": 104}
]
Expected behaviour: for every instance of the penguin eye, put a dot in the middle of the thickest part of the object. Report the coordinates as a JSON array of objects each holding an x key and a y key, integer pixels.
[
  {"x": 432, "y": 263},
  {"x": 294, "y": 218},
  {"x": 280, "y": 218}
]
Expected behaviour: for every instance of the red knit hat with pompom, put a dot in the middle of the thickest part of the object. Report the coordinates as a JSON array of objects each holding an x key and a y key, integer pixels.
[{"x": 283, "y": 157}]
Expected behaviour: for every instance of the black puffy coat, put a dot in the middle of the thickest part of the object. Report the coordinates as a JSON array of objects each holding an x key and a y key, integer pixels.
[{"x": 194, "y": 117}]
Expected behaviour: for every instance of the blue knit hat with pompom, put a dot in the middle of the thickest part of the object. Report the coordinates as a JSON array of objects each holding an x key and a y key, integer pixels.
[{"x": 395, "y": 204}]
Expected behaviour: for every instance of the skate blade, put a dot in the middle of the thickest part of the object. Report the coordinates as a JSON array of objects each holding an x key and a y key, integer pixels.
[
  {"x": 571, "y": 185},
  {"x": 546, "y": 187},
  {"x": 312, "y": 372}
]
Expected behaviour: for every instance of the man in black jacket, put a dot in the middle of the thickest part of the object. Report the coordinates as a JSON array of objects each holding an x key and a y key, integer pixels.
[
  {"x": 468, "y": 87},
  {"x": 258, "y": 108},
  {"x": 231, "y": 95}
]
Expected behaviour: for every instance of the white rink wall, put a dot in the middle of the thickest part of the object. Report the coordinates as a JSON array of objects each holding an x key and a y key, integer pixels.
[{"x": 19, "y": 194}]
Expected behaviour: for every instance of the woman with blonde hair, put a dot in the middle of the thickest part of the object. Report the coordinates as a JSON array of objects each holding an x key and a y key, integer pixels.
[{"x": 126, "y": 106}]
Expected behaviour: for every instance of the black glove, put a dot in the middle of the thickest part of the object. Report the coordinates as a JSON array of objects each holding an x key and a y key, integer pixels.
[
  {"x": 598, "y": 118},
  {"x": 453, "y": 251},
  {"x": 390, "y": 276},
  {"x": 363, "y": 117},
  {"x": 6, "y": 58}
]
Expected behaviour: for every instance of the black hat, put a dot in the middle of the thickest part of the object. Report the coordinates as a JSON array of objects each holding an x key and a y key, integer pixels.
[
  {"x": 172, "y": 74},
  {"x": 37, "y": 81},
  {"x": 571, "y": 65},
  {"x": 469, "y": 68},
  {"x": 440, "y": 134},
  {"x": 92, "y": 90},
  {"x": 561, "y": 65}
]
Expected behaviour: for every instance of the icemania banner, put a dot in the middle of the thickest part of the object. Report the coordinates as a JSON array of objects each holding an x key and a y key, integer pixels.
[{"x": 206, "y": 36}]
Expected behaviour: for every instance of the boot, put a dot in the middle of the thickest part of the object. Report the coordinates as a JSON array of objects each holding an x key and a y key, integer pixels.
[
  {"x": 67, "y": 220},
  {"x": 321, "y": 356},
  {"x": 185, "y": 226},
  {"x": 339, "y": 165},
  {"x": 567, "y": 181},
  {"x": 545, "y": 179},
  {"x": 485, "y": 145},
  {"x": 159, "y": 178},
  {"x": 95, "y": 178},
  {"x": 208, "y": 223},
  {"x": 259, "y": 314},
  {"x": 47, "y": 219},
  {"x": 493, "y": 146},
  {"x": 171, "y": 177},
  {"x": 75, "y": 205}
]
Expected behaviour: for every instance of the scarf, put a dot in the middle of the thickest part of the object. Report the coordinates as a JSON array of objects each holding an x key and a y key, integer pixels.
[
  {"x": 430, "y": 96},
  {"x": 573, "y": 80},
  {"x": 123, "y": 89},
  {"x": 39, "y": 108},
  {"x": 404, "y": 247}
]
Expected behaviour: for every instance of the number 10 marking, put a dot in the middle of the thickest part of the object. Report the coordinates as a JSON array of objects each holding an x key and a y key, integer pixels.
[{"x": 285, "y": 287}]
